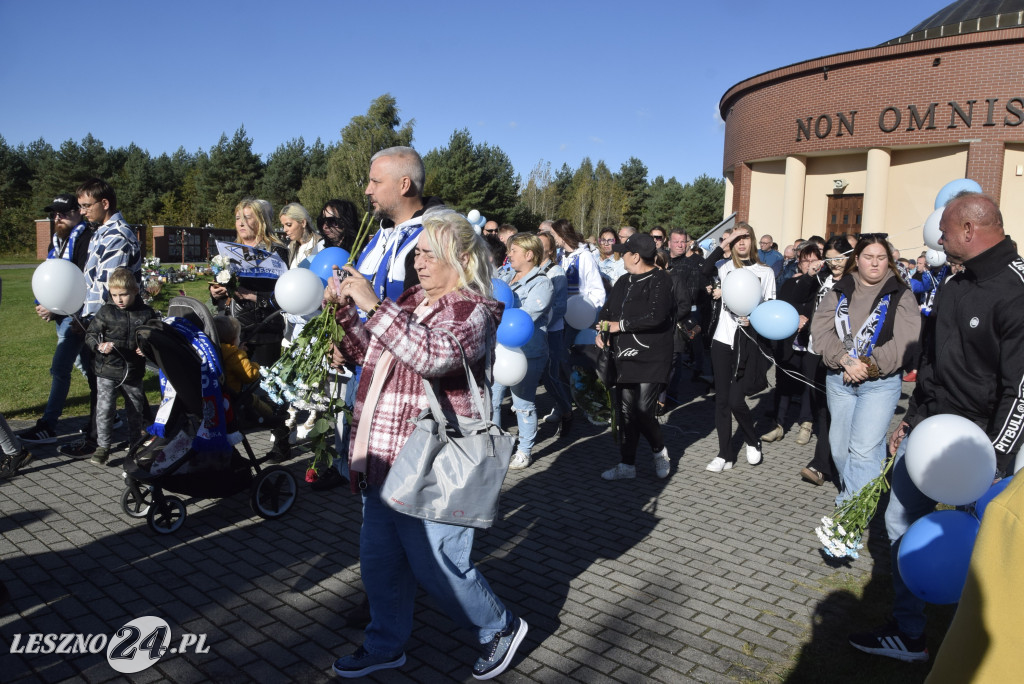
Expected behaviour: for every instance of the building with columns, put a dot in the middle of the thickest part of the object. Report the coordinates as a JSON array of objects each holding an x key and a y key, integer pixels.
[{"x": 862, "y": 141}]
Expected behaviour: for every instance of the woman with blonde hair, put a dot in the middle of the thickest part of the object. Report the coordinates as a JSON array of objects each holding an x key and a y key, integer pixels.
[
  {"x": 532, "y": 292},
  {"x": 739, "y": 367},
  {"x": 422, "y": 335},
  {"x": 303, "y": 240},
  {"x": 252, "y": 303}
]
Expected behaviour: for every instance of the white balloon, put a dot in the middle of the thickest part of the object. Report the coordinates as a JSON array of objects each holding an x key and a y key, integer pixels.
[
  {"x": 579, "y": 312},
  {"x": 931, "y": 229},
  {"x": 950, "y": 459},
  {"x": 59, "y": 285},
  {"x": 509, "y": 366},
  {"x": 299, "y": 291},
  {"x": 935, "y": 258},
  {"x": 472, "y": 216},
  {"x": 741, "y": 291}
]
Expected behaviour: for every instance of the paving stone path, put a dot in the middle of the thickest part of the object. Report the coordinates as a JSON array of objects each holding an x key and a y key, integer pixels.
[{"x": 699, "y": 577}]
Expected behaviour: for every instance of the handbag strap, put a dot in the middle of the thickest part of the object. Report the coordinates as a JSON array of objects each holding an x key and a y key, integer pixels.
[{"x": 481, "y": 401}]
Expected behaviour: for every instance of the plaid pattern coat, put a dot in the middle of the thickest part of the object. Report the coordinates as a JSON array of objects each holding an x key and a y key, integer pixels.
[{"x": 420, "y": 351}]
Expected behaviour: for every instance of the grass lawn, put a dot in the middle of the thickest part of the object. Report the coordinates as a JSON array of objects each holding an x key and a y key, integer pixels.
[{"x": 27, "y": 344}]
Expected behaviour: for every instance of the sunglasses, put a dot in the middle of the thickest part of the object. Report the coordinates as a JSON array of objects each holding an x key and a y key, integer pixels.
[
  {"x": 659, "y": 238},
  {"x": 329, "y": 222},
  {"x": 492, "y": 231}
]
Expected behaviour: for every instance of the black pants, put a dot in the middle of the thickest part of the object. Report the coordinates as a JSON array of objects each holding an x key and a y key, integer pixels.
[
  {"x": 822, "y": 461},
  {"x": 639, "y": 408},
  {"x": 729, "y": 401}
]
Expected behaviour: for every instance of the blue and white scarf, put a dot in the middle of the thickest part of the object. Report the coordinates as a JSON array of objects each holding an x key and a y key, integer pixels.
[
  {"x": 212, "y": 432},
  {"x": 67, "y": 250},
  {"x": 864, "y": 342}
]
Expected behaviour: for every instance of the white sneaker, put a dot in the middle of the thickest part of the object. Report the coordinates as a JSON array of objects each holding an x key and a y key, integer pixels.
[
  {"x": 519, "y": 461},
  {"x": 753, "y": 454},
  {"x": 553, "y": 417},
  {"x": 718, "y": 465},
  {"x": 620, "y": 472},
  {"x": 303, "y": 430},
  {"x": 661, "y": 463}
]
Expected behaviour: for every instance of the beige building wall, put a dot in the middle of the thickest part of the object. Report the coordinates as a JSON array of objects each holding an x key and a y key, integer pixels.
[
  {"x": 727, "y": 205},
  {"x": 767, "y": 188},
  {"x": 915, "y": 178},
  {"x": 1011, "y": 200},
  {"x": 821, "y": 174}
]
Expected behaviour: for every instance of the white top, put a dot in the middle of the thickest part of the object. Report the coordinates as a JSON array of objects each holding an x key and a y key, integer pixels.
[{"x": 725, "y": 331}]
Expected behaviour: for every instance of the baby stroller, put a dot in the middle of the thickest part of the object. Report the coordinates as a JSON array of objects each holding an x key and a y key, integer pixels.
[{"x": 195, "y": 455}]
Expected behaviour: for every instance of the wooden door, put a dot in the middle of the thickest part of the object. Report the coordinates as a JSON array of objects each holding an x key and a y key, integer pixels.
[{"x": 844, "y": 215}]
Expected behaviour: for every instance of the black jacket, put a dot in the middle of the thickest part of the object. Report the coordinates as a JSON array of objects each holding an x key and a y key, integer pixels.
[
  {"x": 644, "y": 305},
  {"x": 111, "y": 324},
  {"x": 973, "y": 362}
]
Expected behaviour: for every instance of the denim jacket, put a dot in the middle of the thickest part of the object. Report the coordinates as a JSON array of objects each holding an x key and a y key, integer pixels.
[{"x": 533, "y": 295}]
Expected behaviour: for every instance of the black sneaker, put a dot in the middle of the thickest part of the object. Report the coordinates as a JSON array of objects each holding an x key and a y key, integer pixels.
[
  {"x": 889, "y": 641},
  {"x": 83, "y": 448},
  {"x": 40, "y": 434},
  {"x": 499, "y": 653},
  {"x": 9, "y": 465},
  {"x": 363, "y": 663}
]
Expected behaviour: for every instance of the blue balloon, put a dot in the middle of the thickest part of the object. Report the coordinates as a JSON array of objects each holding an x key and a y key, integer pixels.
[
  {"x": 586, "y": 336},
  {"x": 954, "y": 187},
  {"x": 503, "y": 293},
  {"x": 986, "y": 498},
  {"x": 935, "y": 554},
  {"x": 325, "y": 260},
  {"x": 515, "y": 329},
  {"x": 775, "y": 319}
]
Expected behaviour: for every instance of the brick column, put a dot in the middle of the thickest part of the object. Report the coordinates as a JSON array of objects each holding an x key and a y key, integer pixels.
[{"x": 985, "y": 165}]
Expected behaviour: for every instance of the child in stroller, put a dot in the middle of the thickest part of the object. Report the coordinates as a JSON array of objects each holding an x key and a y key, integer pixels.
[
  {"x": 241, "y": 378},
  {"x": 192, "y": 450}
]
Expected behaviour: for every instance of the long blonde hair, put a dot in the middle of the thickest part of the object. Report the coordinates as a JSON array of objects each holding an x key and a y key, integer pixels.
[
  {"x": 264, "y": 215},
  {"x": 452, "y": 238},
  {"x": 297, "y": 212},
  {"x": 736, "y": 261}
]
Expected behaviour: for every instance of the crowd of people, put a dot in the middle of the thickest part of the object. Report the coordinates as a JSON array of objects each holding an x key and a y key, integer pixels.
[{"x": 418, "y": 300}]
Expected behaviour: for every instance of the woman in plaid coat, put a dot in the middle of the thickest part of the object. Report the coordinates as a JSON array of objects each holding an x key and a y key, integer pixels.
[{"x": 401, "y": 343}]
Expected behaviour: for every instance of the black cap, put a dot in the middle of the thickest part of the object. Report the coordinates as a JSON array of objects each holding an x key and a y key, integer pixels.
[
  {"x": 638, "y": 243},
  {"x": 62, "y": 204}
]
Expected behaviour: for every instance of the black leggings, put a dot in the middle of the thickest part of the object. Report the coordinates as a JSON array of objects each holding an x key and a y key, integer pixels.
[
  {"x": 639, "y": 407},
  {"x": 822, "y": 460},
  {"x": 729, "y": 399}
]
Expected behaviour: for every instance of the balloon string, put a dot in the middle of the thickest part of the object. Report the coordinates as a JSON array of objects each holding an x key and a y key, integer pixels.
[{"x": 796, "y": 376}]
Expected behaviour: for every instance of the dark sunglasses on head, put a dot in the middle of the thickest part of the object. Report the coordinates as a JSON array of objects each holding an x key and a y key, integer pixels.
[{"x": 870, "y": 236}]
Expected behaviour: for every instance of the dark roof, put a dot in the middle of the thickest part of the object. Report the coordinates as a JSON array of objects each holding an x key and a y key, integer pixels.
[{"x": 966, "y": 16}]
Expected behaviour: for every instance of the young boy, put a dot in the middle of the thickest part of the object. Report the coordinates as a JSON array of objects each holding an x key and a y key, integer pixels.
[
  {"x": 240, "y": 371},
  {"x": 118, "y": 363}
]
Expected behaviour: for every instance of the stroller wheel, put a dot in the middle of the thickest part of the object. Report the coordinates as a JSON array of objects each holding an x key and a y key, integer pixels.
[
  {"x": 273, "y": 492},
  {"x": 136, "y": 500},
  {"x": 166, "y": 517}
]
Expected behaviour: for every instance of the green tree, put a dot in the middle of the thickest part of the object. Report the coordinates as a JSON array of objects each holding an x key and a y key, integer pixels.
[
  {"x": 662, "y": 204},
  {"x": 232, "y": 172},
  {"x": 348, "y": 163},
  {"x": 578, "y": 199},
  {"x": 467, "y": 176},
  {"x": 282, "y": 177},
  {"x": 609, "y": 199},
  {"x": 700, "y": 208},
  {"x": 540, "y": 194},
  {"x": 632, "y": 178}
]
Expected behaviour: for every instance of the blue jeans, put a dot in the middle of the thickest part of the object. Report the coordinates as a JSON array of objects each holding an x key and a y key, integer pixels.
[
  {"x": 395, "y": 552},
  {"x": 860, "y": 421},
  {"x": 907, "y": 505},
  {"x": 524, "y": 397},
  {"x": 69, "y": 347},
  {"x": 554, "y": 384}
]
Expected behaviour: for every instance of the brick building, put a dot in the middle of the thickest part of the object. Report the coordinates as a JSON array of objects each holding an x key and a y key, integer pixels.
[{"x": 863, "y": 140}]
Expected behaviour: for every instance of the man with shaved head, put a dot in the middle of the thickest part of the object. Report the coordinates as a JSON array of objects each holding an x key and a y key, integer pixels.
[{"x": 972, "y": 366}]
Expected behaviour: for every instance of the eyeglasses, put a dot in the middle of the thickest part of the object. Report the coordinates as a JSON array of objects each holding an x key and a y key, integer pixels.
[
  {"x": 492, "y": 231},
  {"x": 64, "y": 214},
  {"x": 611, "y": 240},
  {"x": 85, "y": 205}
]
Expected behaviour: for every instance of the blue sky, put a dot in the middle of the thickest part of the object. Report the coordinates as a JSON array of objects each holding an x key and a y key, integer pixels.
[{"x": 547, "y": 80}]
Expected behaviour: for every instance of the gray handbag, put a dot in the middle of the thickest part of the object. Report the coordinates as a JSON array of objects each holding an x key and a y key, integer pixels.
[{"x": 451, "y": 473}]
